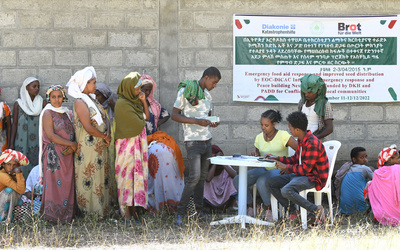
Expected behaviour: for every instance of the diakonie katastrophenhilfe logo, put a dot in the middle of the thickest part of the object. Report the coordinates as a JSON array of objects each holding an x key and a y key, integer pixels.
[{"x": 317, "y": 28}]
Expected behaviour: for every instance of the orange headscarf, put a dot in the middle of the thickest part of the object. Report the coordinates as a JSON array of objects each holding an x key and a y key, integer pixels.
[{"x": 163, "y": 137}]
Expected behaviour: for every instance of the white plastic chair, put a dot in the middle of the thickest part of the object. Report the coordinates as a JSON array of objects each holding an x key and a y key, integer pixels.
[{"x": 331, "y": 148}]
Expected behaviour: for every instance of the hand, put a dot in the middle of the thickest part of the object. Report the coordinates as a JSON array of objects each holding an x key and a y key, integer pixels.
[
  {"x": 74, "y": 146},
  {"x": 270, "y": 156},
  {"x": 280, "y": 165},
  {"x": 107, "y": 137},
  {"x": 142, "y": 97},
  {"x": 111, "y": 102},
  {"x": 283, "y": 171},
  {"x": 17, "y": 170},
  {"x": 203, "y": 122},
  {"x": 254, "y": 153},
  {"x": 69, "y": 151},
  {"x": 214, "y": 124}
]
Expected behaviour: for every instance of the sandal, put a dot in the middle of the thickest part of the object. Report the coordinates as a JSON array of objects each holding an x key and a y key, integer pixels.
[
  {"x": 319, "y": 217},
  {"x": 316, "y": 223}
]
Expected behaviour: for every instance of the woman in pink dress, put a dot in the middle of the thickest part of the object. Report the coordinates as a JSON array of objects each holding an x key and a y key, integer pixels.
[
  {"x": 384, "y": 189},
  {"x": 131, "y": 169},
  {"x": 57, "y": 140}
]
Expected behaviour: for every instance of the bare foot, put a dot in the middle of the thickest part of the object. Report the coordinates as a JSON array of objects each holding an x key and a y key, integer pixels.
[{"x": 320, "y": 214}]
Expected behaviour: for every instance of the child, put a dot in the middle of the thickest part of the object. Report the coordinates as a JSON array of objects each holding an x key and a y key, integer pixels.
[
  {"x": 5, "y": 125},
  {"x": 25, "y": 129},
  {"x": 33, "y": 190},
  {"x": 351, "y": 180},
  {"x": 218, "y": 188},
  {"x": 12, "y": 182}
]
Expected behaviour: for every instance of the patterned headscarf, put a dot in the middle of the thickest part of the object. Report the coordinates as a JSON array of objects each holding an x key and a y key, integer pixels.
[
  {"x": 61, "y": 110},
  {"x": 54, "y": 88},
  {"x": 314, "y": 84},
  {"x": 386, "y": 154},
  {"x": 9, "y": 155},
  {"x": 154, "y": 105}
]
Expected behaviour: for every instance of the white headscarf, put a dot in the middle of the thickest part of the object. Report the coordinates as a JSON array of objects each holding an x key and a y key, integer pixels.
[
  {"x": 77, "y": 84},
  {"x": 25, "y": 101}
]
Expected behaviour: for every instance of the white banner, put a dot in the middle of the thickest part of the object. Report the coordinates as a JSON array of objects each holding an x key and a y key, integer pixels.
[{"x": 357, "y": 57}]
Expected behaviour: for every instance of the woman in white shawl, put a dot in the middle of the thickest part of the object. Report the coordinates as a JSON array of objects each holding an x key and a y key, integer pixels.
[
  {"x": 25, "y": 128},
  {"x": 92, "y": 168},
  {"x": 56, "y": 167}
]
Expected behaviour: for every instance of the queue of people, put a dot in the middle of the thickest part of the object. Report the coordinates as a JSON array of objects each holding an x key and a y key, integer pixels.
[{"x": 108, "y": 154}]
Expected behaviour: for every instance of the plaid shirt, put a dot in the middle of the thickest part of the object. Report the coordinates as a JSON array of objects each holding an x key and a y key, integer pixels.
[{"x": 314, "y": 162}]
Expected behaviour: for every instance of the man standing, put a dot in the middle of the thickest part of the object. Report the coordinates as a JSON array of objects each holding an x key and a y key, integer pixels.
[
  {"x": 307, "y": 168},
  {"x": 192, "y": 108}
]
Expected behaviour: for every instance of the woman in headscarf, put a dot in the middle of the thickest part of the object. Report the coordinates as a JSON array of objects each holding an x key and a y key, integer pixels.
[
  {"x": 158, "y": 115},
  {"x": 56, "y": 167},
  {"x": 131, "y": 169},
  {"x": 25, "y": 128},
  {"x": 5, "y": 125},
  {"x": 315, "y": 105},
  {"x": 165, "y": 158},
  {"x": 107, "y": 99},
  {"x": 12, "y": 182},
  {"x": 92, "y": 168},
  {"x": 383, "y": 191},
  {"x": 219, "y": 188}
]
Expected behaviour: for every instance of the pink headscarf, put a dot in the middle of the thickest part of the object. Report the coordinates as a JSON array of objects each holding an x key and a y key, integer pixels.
[
  {"x": 385, "y": 155},
  {"x": 154, "y": 105}
]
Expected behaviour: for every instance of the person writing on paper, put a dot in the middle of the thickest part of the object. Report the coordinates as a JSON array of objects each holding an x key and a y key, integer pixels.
[
  {"x": 307, "y": 168},
  {"x": 270, "y": 141},
  {"x": 315, "y": 105},
  {"x": 191, "y": 108}
]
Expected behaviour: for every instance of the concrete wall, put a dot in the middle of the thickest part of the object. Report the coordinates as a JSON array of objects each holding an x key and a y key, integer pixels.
[{"x": 172, "y": 40}]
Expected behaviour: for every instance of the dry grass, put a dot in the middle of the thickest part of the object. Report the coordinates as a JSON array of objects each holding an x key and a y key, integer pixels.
[{"x": 159, "y": 232}]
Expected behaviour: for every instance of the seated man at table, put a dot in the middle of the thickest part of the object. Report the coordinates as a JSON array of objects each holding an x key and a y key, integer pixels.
[{"x": 307, "y": 168}]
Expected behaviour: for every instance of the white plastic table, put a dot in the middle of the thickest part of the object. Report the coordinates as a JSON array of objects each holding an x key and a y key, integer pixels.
[{"x": 242, "y": 162}]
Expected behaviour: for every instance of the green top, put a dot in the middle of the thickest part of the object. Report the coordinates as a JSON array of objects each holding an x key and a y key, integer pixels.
[{"x": 128, "y": 109}]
